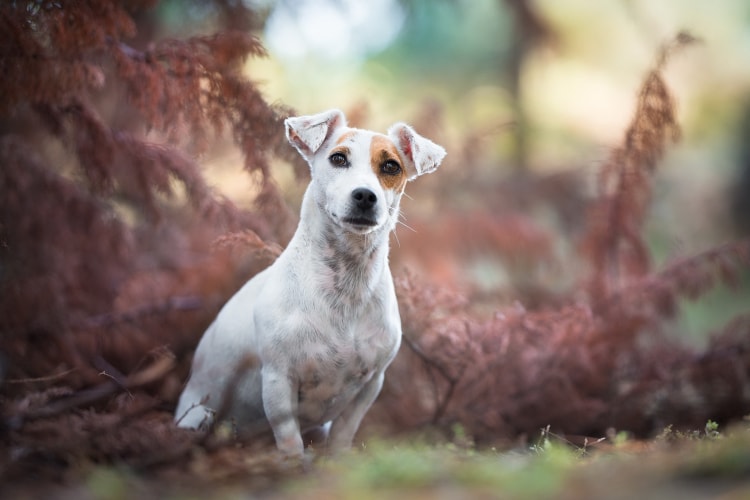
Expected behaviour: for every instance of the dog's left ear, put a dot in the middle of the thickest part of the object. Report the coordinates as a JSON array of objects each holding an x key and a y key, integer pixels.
[
  {"x": 308, "y": 133},
  {"x": 422, "y": 155}
]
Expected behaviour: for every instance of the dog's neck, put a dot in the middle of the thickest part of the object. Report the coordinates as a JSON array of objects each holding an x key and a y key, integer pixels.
[{"x": 352, "y": 264}]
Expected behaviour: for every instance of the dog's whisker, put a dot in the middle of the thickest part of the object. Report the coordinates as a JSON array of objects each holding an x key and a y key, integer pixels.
[
  {"x": 407, "y": 226},
  {"x": 395, "y": 235}
]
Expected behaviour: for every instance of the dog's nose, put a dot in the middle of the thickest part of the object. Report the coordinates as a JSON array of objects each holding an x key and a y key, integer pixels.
[{"x": 364, "y": 199}]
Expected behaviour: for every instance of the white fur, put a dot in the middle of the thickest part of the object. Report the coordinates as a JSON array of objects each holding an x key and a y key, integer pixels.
[{"x": 323, "y": 319}]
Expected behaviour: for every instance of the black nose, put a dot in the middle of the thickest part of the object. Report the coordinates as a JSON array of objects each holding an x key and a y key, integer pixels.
[{"x": 364, "y": 199}]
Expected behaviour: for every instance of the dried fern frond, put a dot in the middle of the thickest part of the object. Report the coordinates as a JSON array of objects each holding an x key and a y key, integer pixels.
[
  {"x": 107, "y": 130},
  {"x": 613, "y": 241},
  {"x": 656, "y": 294}
]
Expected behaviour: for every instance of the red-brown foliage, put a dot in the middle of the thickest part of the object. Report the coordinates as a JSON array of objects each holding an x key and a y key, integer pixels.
[
  {"x": 116, "y": 254},
  {"x": 614, "y": 242},
  {"x": 596, "y": 361},
  {"x": 578, "y": 369},
  {"x": 99, "y": 147}
]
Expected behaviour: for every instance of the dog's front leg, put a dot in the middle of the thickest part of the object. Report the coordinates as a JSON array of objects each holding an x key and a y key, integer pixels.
[
  {"x": 280, "y": 399},
  {"x": 346, "y": 424}
]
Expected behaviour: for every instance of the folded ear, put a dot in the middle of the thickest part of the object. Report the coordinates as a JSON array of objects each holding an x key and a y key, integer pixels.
[
  {"x": 422, "y": 155},
  {"x": 308, "y": 133}
]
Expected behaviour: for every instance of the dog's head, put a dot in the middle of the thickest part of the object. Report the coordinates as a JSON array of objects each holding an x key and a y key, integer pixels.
[{"x": 358, "y": 176}]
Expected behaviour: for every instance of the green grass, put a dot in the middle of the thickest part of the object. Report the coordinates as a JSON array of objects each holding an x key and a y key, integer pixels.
[
  {"x": 386, "y": 469},
  {"x": 704, "y": 463},
  {"x": 697, "y": 464}
]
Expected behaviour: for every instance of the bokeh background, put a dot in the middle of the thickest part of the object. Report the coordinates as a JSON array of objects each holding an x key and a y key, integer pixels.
[{"x": 519, "y": 90}]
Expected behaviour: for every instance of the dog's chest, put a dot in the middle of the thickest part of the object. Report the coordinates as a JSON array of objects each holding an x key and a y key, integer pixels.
[{"x": 333, "y": 369}]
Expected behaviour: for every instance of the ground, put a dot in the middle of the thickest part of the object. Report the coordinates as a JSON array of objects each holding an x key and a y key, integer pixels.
[{"x": 710, "y": 463}]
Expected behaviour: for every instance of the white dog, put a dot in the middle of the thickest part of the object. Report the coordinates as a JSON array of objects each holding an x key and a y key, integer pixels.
[{"x": 323, "y": 319}]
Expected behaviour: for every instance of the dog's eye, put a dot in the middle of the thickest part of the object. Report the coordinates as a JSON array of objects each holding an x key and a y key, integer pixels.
[
  {"x": 391, "y": 167},
  {"x": 338, "y": 160}
]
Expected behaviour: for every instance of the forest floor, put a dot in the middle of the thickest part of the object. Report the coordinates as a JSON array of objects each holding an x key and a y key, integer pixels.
[{"x": 710, "y": 463}]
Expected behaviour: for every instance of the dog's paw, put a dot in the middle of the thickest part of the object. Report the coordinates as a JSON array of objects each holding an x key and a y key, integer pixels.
[{"x": 197, "y": 417}]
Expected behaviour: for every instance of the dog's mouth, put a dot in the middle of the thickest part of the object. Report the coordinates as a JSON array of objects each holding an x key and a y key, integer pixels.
[{"x": 361, "y": 221}]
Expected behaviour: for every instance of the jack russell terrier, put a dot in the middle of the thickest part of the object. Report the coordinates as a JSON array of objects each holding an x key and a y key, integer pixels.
[{"x": 322, "y": 320}]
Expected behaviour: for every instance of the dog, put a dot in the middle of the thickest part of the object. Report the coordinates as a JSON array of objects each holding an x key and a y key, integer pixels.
[{"x": 322, "y": 320}]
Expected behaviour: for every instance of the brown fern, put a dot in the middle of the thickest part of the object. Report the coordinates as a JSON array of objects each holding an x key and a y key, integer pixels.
[
  {"x": 614, "y": 241},
  {"x": 104, "y": 142}
]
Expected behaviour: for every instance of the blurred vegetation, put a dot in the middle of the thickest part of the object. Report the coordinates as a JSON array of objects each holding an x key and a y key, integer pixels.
[
  {"x": 705, "y": 463},
  {"x": 529, "y": 98},
  {"x": 553, "y": 468},
  {"x": 554, "y": 95}
]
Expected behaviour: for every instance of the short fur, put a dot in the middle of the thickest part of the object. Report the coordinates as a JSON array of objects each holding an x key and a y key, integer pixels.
[{"x": 323, "y": 319}]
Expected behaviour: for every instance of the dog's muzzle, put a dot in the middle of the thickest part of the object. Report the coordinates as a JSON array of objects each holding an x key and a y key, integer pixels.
[{"x": 363, "y": 211}]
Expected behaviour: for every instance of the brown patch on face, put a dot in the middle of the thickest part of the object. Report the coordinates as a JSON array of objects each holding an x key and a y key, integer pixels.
[
  {"x": 345, "y": 136},
  {"x": 340, "y": 149},
  {"x": 383, "y": 150}
]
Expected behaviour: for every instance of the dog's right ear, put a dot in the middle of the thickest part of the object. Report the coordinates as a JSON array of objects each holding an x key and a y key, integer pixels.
[{"x": 308, "y": 133}]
